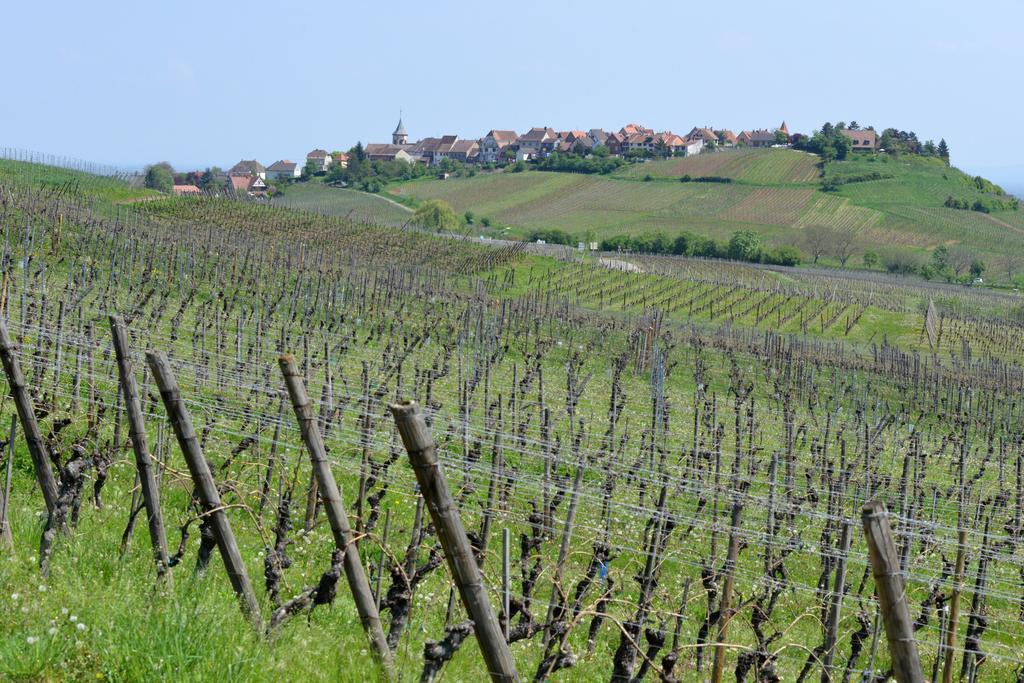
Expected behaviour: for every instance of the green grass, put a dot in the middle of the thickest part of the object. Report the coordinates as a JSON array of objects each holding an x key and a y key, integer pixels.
[
  {"x": 103, "y": 188},
  {"x": 192, "y": 629},
  {"x": 775, "y": 192},
  {"x": 756, "y": 167},
  {"x": 358, "y": 206}
]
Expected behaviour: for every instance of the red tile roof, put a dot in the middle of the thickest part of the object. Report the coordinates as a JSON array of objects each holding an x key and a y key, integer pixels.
[{"x": 503, "y": 136}]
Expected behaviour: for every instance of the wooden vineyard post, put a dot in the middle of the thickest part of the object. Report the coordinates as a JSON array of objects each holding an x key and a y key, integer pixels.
[
  {"x": 725, "y": 613},
  {"x": 206, "y": 487},
  {"x": 457, "y": 551},
  {"x": 954, "y": 607},
  {"x": 26, "y": 412},
  {"x": 6, "y": 537},
  {"x": 838, "y": 589},
  {"x": 506, "y": 578},
  {"x": 137, "y": 432},
  {"x": 892, "y": 601},
  {"x": 337, "y": 516}
]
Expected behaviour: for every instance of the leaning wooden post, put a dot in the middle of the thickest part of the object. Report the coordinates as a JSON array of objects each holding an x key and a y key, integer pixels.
[
  {"x": 137, "y": 432},
  {"x": 892, "y": 601},
  {"x": 206, "y": 487},
  {"x": 952, "y": 624},
  {"x": 36, "y": 445},
  {"x": 336, "y": 514},
  {"x": 457, "y": 551}
]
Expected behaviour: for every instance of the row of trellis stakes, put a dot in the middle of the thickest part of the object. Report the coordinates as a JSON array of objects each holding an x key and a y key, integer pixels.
[{"x": 419, "y": 444}]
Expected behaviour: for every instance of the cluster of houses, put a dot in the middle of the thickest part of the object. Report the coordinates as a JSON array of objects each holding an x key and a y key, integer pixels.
[
  {"x": 250, "y": 177},
  {"x": 501, "y": 146}
]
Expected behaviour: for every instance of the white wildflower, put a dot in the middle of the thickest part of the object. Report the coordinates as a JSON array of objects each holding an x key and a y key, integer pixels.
[
  {"x": 73, "y": 618},
  {"x": 32, "y": 640},
  {"x": 80, "y": 627}
]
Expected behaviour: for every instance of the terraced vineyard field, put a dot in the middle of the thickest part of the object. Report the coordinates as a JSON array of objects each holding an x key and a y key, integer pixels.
[
  {"x": 837, "y": 212},
  {"x": 771, "y": 206},
  {"x": 578, "y": 203},
  {"x": 780, "y": 166},
  {"x": 776, "y": 193},
  {"x": 757, "y": 167},
  {"x": 728, "y": 164},
  {"x": 671, "y": 451},
  {"x": 361, "y": 207}
]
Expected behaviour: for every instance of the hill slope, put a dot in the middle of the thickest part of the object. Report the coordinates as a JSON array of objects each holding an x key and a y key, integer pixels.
[
  {"x": 774, "y": 192},
  {"x": 361, "y": 207}
]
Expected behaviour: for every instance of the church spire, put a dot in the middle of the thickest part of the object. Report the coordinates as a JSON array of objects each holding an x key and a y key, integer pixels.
[{"x": 400, "y": 137}]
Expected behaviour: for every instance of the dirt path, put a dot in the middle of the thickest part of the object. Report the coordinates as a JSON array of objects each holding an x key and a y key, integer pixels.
[
  {"x": 387, "y": 199},
  {"x": 616, "y": 264}
]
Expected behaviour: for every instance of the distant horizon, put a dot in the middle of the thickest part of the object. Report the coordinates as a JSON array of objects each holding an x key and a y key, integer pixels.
[
  {"x": 128, "y": 85},
  {"x": 1010, "y": 177}
]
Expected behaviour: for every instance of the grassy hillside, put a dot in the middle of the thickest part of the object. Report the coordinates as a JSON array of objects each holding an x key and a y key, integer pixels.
[
  {"x": 359, "y": 206},
  {"x": 97, "y": 187},
  {"x": 777, "y": 193},
  {"x": 556, "y": 376},
  {"x": 759, "y": 167}
]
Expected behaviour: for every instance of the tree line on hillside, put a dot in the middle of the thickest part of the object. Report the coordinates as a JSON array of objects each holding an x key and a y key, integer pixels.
[
  {"x": 954, "y": 264},
  {"x": 743, "y": 245},
  {"x": 370, "y": 176},
  {"x": 599, "y": 161},
  {"x": 162, "y": 177},
  {"x": 831, "y": 144}
]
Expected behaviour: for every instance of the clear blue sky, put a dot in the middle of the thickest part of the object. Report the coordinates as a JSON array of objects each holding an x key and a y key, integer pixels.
[{"x": 208, "y": 83}]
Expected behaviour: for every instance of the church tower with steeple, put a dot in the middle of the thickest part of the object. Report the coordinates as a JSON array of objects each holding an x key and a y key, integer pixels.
[{"x": 400, "y": 137}]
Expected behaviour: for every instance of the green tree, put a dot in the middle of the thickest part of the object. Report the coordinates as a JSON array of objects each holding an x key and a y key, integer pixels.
[
  {"x": 357, "y": 153},
  {"x": 871, "y": 259},
  {"x": 744, "y": 245},
  {"x": 435, "y": 214},
  {"x": 485, "y": 221},
  {"x": 208, "y": 179},
  {"x": 336, "y": 174},
  {"x": 786, "y": 255},
  {"x": 938, "y": 266},
  {"x": 842, "y": 145},
  {"x": 309, "y": 169},
  {"x": 977, "y": 268},
  {"x": 469, "y": 216},
  {"x": 943, "y": 150},
  {"x": 160, "y": 177},
  {"x": 781, "y": 138}
]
